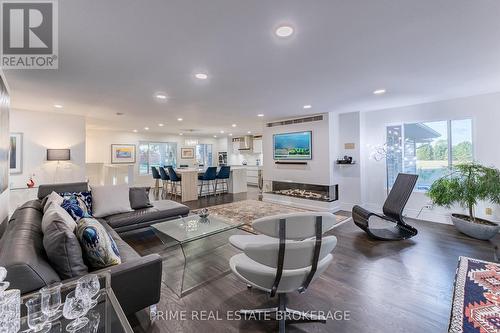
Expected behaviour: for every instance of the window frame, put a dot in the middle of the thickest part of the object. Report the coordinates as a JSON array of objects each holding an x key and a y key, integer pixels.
[
  {"x": 449, "y": 134},
  {"x": 148, "y": 143}
]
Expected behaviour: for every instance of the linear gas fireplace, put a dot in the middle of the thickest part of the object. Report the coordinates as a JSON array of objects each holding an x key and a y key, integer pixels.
[{"x": 325, "y": 193}]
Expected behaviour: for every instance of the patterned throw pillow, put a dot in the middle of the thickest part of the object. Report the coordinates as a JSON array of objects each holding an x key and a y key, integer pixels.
[
  {"x": 98, "y": 247},
  {"x": 77, "y": 204}
]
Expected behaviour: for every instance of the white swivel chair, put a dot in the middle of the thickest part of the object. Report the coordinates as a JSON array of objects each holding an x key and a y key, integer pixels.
[{"x": 287, "y": 257}]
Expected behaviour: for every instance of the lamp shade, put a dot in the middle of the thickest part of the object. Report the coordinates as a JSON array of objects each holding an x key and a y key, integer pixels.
[{"x": 58, "y": 154}]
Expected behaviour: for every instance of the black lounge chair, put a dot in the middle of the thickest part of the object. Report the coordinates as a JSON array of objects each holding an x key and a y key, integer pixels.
[{"x": 393, "y": 212}]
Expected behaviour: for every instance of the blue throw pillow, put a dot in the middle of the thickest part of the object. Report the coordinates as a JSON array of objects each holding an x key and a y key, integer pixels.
[
  {"x": 98, "y": 247},
  {"x": 77, "y": 204}
]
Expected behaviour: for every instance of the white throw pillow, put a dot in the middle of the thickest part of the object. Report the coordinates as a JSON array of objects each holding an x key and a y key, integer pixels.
[
  {"x": 52, "y": 198},
  {"x": 55, "y": 212},
  {"x": 110, "y": 199}
]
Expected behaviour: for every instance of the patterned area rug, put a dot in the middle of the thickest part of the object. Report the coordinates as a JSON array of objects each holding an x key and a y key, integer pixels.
[
  {"x": 249, "y": 210},
  {"x": 476, "y": 299}
]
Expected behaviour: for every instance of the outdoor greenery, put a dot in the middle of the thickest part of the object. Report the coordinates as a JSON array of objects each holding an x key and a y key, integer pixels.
[
  {"x": 439, "y": 151},
  {"x": 466, "y": 185}
]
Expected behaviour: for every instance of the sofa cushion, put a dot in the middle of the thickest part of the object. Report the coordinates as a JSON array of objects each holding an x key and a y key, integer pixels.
[
  {"x": 50, "y": 199},
  {"x": 139, "y": 197},
  {"x": 63, "y": 249},
  {"x": 99, "y": 248},
  {"x": 77, "y": 204},
  {"x": 56, "y": 213},
  {"x": 110, "y": 199},
  {"x": 161, "y": 210},
  {"x": 127, "y": 253}
]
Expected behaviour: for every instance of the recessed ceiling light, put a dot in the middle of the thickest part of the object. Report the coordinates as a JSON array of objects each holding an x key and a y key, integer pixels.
[
  {"x": 249, "y": 132},
  {"x": 260, "y": 115},
  {"x": 230, "y": 134},
  {"x": 58, "y": 106},
  {"x": 221, "y": 132},
  {"x": 161, "y": 125},
  {"x": 201, "y": 76},
  {"x": 379, "y": 92},
  {"x": 181, "y": 133},
  {"x": 215, "y": 136},
  {"x": 284, "y": 31},
  {"x": 307, "y": 106},
  {"x": 146, "y": 128},
  {"x": 135, "y": 131},
  {"x": 180, "y": 119},
  {"x": 233, "y": 125},
  {"x": 161, "y": 96}
]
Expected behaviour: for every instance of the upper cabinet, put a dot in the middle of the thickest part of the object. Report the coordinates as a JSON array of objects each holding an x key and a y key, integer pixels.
[{"x": 257, "y": 145}]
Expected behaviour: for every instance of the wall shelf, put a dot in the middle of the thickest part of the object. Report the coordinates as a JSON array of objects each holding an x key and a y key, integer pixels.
[{"x": 289, "y": 162}]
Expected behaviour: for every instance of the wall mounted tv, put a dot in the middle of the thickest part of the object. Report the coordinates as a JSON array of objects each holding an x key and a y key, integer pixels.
[{"x": 292, "y": 146}]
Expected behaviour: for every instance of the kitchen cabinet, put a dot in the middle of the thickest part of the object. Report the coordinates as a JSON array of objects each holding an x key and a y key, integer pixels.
[
  {"x": 257, "y": 146},
  {"x": 253, "y": 175}
]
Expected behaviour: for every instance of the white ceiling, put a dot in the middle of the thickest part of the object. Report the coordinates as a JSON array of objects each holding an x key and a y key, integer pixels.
[{"x": 115, "y": 54}]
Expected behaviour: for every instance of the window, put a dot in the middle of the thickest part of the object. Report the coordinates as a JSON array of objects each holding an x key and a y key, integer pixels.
[
  {"x": 204, "y": 154},
  {"x": 428, "y": 149},
  {"x": 156, "y": 154}
]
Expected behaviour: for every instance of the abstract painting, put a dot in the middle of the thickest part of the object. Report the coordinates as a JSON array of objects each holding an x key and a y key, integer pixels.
[
  {"x": 16, "y": 153},
  {"x": 122, "y": 153}
]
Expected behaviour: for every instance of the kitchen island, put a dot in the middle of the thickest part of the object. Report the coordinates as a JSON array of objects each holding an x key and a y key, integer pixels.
[{"x": 237, "y": 182}]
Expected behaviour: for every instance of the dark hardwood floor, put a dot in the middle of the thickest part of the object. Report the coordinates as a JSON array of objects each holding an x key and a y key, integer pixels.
[{"x": 402, "y": 286}]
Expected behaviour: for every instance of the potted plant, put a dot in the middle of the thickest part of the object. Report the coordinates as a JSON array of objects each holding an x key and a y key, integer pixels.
[{"x": 466, "y": 185}]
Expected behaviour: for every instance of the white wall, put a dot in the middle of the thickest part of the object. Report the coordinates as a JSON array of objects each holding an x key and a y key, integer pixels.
[
  {"x": 99, "y": 147},
  {"x": 485, "y": 113},
  {"x": 348, "y": 176},
  {"x": 4, "y": 196},
  {"x": 318, "y": 170},
  {"x": 43, "y": 130}
]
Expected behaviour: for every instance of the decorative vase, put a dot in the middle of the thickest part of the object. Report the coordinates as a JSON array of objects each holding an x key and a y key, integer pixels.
[
  {"x": 480, "y": 230},
  {"x": 30, "y": 183}
]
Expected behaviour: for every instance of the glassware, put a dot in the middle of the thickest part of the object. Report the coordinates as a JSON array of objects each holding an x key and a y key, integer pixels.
[
  {"x": 37, "y": 319},
  {"x": 88, "y": 286},
  {"x": 75, "y": 308},
  {"x": 10, "y": 311},
  {"x": 93, "y": 325},
  {"x": 3, "y": 284},
  {"x": 51, "y": 300}
]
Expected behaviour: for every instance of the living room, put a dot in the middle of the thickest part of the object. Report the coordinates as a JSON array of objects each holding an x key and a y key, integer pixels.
[{"x": 217, "y": 164}]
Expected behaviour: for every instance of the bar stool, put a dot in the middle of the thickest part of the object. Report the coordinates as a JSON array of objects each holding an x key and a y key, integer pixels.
[
  {"x": 207, "y": 177},
  {"x": 175, "y": 180},
  {"x": 156, "y": 177},
  {"x": 223, "y": 177},
  {"x": 165, "y": 179}
]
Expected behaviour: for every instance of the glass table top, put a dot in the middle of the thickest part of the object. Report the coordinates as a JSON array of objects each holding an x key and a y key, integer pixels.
[{"x": 193, "y": 227}]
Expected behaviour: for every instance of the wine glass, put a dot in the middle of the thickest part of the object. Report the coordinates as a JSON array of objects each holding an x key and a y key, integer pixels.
[
  {"x": 10, "y": 311},
  {"x": 51, "y": 300},
  {"x": 3, "y": 284},
  {"x": 37, "y": 319},
  {"x": 87, "y": 287},
  {"x": 74, "y": 308}
]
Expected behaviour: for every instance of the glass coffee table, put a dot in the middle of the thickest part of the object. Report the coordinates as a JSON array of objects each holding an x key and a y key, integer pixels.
[
  {"x": 203, "y": 243},
  {"x": 106, "y": 316}
]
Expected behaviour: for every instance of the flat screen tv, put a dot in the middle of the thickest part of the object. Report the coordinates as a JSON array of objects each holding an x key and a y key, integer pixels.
[{"x": 292, "y": 146}]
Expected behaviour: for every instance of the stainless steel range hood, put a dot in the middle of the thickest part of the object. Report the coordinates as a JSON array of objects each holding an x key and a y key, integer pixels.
[{"x": 246, "y": 142}]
